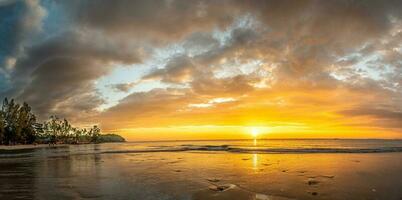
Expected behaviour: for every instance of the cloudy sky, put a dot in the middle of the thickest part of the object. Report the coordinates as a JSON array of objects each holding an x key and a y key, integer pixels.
[{"x": 180, "y": 69}]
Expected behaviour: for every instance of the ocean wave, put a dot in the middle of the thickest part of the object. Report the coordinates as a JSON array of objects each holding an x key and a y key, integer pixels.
[
  {"x": 198, "y": 148},
  {"x": 227, "y": 148}
]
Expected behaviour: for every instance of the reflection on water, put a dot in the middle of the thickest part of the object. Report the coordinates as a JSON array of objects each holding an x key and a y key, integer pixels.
[
  {"x": 73, "y": 172},
  {"x": 255, "y": 161},
  {"x": 17, "y": 180}
]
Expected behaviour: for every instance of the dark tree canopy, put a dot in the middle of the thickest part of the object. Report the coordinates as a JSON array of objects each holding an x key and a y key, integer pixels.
[{"x": 18, "y": 126}]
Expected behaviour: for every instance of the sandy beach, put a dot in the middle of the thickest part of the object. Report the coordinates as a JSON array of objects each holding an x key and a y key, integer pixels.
[{"x": 111, "y": 171}]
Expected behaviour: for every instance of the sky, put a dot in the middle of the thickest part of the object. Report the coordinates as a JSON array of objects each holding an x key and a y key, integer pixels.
[{"x": 179, "y": 69}]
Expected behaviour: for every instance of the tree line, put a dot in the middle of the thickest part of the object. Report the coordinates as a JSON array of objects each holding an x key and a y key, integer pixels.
[{"x": 18, "y": 125}]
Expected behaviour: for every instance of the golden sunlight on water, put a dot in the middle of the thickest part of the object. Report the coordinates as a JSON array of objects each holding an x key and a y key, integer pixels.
[{"x": 255, "y": 161}]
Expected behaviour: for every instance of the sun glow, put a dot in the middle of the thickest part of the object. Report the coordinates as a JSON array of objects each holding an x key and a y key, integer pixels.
[{"x": 255, "y": 132}]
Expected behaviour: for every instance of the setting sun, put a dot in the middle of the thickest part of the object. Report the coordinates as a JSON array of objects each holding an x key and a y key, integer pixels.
[{"x": 255, "y": 132}]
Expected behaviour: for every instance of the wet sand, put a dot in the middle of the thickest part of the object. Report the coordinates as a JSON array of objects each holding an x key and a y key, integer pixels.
[
  {"x": 29, "y": 146},
  {"x": 200, "y": 175}
]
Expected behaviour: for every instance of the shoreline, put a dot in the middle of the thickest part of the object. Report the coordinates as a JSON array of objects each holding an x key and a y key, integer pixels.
[
  {"x": 29, "y": 146},
  {"x": 39, "y": 146}
]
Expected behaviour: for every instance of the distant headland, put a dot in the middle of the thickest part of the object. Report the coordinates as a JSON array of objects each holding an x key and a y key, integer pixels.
[{"x": 18, "y": 125}]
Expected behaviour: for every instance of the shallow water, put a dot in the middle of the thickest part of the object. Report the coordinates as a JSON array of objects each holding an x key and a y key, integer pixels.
[{"x": 191, "y": 170}]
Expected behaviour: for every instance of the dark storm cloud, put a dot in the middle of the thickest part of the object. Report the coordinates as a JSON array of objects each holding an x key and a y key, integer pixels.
[
  {"x": 62, "y": 70},
  {"x": 153, "y": 19},
  {"x": 77, "y": 44},
  {"x": 64, "y": 81},
  {"x": 19, "y": 20}
]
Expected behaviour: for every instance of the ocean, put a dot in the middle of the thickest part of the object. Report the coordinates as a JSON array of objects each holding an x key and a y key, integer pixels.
[{"x": 196, "y": 170}]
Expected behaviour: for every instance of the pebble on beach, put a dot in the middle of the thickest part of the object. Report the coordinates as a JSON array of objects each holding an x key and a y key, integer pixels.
[
  {"x": 312, "y": 182},
  {"x": 213, "y": 180}
]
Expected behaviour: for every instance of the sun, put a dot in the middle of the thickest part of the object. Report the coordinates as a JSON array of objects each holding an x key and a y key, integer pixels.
[{"x": 255, "y": 132}]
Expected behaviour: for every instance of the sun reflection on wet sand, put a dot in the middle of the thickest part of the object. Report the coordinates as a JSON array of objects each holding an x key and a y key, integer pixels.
[{"x": 255, "y": 161}]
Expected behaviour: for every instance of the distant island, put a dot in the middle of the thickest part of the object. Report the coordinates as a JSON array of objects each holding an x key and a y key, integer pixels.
[
  {"x": 18, "y": 125},
  {"x": 104, "y": 138}
]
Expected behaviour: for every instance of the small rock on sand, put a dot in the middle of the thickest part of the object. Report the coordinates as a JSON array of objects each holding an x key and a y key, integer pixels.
[
  {"x": 312, "y": 182},
  {"x": 220, "y": 188},
  {"x": 322, "y": 176},
  {"x": 213, "y": 180}
]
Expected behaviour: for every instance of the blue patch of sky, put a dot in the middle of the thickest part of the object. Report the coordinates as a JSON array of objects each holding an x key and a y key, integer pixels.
[
  {"x": 9, "y": 18},
  {"x": 55, "y": 22},
  {"x": 366, "y": 66},
  {"x": 134, "y": 73},
  {"x": 10, "y": 14},
  {"x": 3, "y": 83}
]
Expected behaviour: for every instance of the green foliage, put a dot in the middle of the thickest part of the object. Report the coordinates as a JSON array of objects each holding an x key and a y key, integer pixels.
[
  {"x": 18, "y": 126},
  {"x": 16, "y": 123},
  {"x": 56, "y": 130}
]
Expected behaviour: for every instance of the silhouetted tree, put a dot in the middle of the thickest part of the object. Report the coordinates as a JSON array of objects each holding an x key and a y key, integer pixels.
[
  {"x": 10, "y": 109},
  {"x": 2, "y": 127},
  {"x": 94, "y": 133},
  {"x": 25, "y": 124},
  {"x": 18, "y": 125}
]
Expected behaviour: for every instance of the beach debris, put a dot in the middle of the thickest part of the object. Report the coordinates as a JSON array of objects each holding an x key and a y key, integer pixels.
[
  {"x": 322, "y": 176},
  {"x": 374, "y": 190},
  {"x": 177, "y": 170},
  {"x": 314, "y": 193},
  {"x": 285, "y": 170},
  {"x": 312, "y": 182},
  {"x": 221, "y": 188},
  {"x": 246, "y": 159},
  {"x": 301, "y": 171},
  {"x": 213, "y": 180}
]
